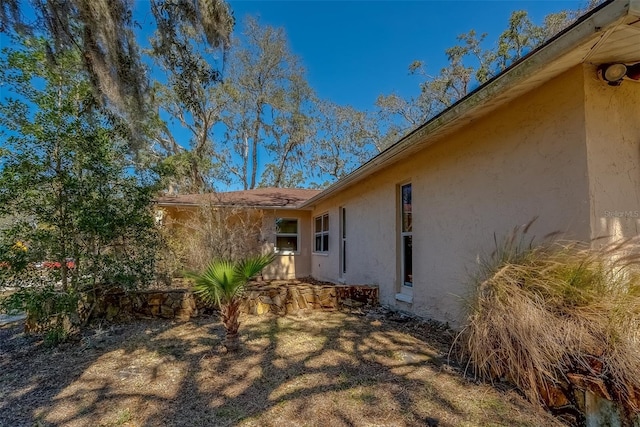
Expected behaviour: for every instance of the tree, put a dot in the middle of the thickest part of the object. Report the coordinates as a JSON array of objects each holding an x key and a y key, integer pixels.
[
  {"x": 190, "y": 96},
  {"x": 469, "y": 65},
  {"x": 223, "y": 283},
  {"x": 67, "y": 180},
  {"x": 269, "y": 106},
  {"x": 102, "y": 33},
  {"x": 345, "y": 138}
]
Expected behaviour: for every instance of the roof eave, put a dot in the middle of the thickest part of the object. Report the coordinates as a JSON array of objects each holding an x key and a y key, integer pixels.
[
  {"x": 222, "y": 205},
  {"x": 591, "y": 24}
]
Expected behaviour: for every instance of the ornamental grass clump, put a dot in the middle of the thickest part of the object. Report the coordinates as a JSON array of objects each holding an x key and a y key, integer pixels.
[{"x": 558, "y": 316}]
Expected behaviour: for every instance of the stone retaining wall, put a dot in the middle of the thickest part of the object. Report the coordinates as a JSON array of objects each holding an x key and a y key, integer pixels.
[
  {"x": 278, "y": 297},
  {"x": 169, "y": 304}
]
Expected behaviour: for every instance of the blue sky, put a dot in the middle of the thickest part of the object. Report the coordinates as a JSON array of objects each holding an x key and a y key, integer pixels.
[{"x": 357, "y": 50}]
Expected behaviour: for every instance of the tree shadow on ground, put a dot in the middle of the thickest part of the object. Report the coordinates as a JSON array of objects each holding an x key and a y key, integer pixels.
[{"x": 321, "y": 369}]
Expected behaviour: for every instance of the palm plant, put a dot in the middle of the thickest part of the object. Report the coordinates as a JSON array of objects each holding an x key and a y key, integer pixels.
[{"x": 223, "y": 283}]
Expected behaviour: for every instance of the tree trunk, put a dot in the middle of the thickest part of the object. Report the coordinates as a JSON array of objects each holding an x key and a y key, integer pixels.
[
  {"x": 283, "y": 160},
  {"x": 230, "y": 314},
  {"x": 254, "y": 154}
]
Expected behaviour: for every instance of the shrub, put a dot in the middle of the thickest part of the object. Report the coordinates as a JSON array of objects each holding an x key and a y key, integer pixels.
[
  {"x": 210, "y": 232},
  {"x": 542, "y": 313},
  {"x": 222, "y": 283},
  {"x": 51, "y": 312},
  {"x": 76, "y": 215}
]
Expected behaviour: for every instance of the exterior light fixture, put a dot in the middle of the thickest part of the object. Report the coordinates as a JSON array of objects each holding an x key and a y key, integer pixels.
[{"x": 614, "y": 73}]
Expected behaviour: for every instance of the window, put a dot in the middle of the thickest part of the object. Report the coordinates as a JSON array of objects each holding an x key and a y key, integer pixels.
[
  {"x": 406, "y": 236},
  {"x": 286, "y": 236},
  {"x": 343, "y": 246},
  {"x": 321, "y": 233}
]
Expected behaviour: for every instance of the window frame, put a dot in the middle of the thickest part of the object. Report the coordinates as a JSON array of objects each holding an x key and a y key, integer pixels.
[
  {"x": 343, "y": 241},
  {"x": 279, "y": 234},
  {"x": 405, "y": 233},
  {"x": 322, "y": 233}
]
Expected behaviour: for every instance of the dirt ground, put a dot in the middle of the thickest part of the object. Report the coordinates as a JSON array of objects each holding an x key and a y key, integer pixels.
[{"x": 364, "y": 368}]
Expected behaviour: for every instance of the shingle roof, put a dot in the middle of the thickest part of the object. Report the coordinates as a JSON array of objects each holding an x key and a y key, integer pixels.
[{"x": 259, "y": 197}]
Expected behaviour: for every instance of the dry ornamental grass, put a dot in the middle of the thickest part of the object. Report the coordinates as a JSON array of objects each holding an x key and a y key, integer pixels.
[{"x": 558, "y": 316}]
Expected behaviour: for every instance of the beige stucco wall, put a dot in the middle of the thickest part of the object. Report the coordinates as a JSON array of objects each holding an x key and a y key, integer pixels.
[
  {"x": 613, "y": 147},
  {"x": 294, "y": 265},
  {"x": 524, "y": 160}
]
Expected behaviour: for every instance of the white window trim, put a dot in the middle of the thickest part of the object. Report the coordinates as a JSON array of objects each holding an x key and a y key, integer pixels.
[
  {"x": 342, "y": 219},
  {"x": 321, "y": 233},
  {"x": 404, "y": 297},
  {"x": 404, "y": 289},
  {"x": 296, "y": 235}
]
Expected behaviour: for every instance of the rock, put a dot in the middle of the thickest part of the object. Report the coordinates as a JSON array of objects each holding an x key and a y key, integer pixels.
[
  {"x": 277, "y": 300},
  {"x": 289, "y": 308},
  {"x": 262, "y": 308},
  {"x": 553, "y": 396},
  {"x": 302, "y": 302},
  {"x": 592, "y": 384},
  {"x": 294, "y": 304},
  {"x": 166, "y": 312},
  {"x": 265, "y": 300},
  {"x": 183, "y": 315},
  {"x": 112, "y": 312},
  {"x": 280, "y": 297}
]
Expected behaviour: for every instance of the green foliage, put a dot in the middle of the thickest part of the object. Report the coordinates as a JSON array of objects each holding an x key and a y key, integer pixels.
[
  {"x": 223, "y": 281},
  {"x": 102, "y": 33},
  {"x": 469, "y": 64},
  {"x": 67, "y": 181},
  {"x": 50, "y": 311},
  {"x": 255, "y": 126},
  {"x": 56, "y": 335},
  {"x": 269, "y": 107},
  {"x": 186, "y": 48},
  {"x": 346, "y": 138},
  {"x": 13, "y": 258},
  {"x": 541, "y": 312}
]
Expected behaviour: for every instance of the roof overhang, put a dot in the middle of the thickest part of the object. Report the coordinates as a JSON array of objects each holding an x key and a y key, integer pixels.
[
  {"x": 608, "y": 33},
  {"x": 239, "y": 206}
]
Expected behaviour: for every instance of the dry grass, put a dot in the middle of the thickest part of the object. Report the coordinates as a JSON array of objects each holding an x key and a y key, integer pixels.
[
  {"x": 326, "y": 368},
  {"x": 209, "y": 232},
  {"x": 540, "y": 313}
]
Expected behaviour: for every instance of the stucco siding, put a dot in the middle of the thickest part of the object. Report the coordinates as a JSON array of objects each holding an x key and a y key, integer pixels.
[
  {"x": 613, "y": 146},
  {"x": 288, "y": 266},
  {"x": 524, "y": 160},
  {"x": 370, "y": 235}
]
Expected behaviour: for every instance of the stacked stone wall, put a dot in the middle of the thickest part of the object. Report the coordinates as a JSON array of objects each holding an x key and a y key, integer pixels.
[{"x": 279, "y": 298}]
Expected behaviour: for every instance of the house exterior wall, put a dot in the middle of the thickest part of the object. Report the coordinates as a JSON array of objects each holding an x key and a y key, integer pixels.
[
  {"x": 286, "y": 266},
  {"x": 613, "y": 147},
  {"x": 524, "y": 160},
  {"x": 177, "y": 216}
]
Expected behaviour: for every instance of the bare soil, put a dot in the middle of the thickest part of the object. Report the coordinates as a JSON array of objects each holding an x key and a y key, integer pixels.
[{"x": 359, "y": 368}]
